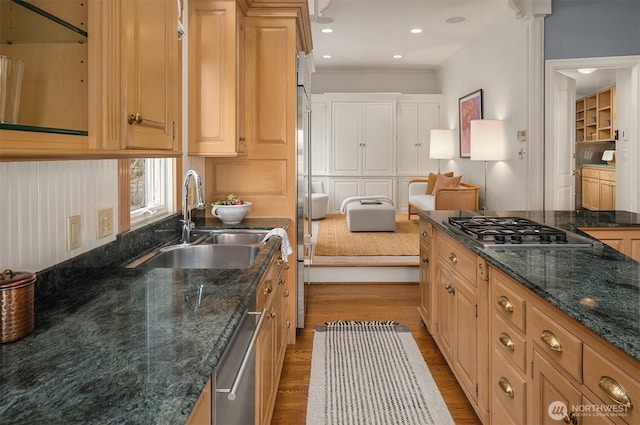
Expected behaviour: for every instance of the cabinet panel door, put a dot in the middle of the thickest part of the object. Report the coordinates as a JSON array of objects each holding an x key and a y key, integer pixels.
[
  {"x": 372, "y": 187},
  {"x": 446, "y": 311},
  {"x": 340, "y": 190},
  {"x": 553, "y": 395},
  {"x": 346, "y": 135},
  {"x": 379, "y": 144},
  {"x": 466, "y": 336},
  {"x": 319, "y": 141},
  {"x": 607, "y": 195},
  {"x": 151, "y": 54},
  {"x": 428, "y": 117},
  {"x": 407, "y": 136},
  {"x": 590, "y": 193}
]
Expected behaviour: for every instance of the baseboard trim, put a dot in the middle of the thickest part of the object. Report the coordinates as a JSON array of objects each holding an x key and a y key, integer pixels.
[{"x": 364, "y": 274}]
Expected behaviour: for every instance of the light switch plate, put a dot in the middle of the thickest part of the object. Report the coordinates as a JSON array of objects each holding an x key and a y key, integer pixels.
[
  {"x": 73, "y": 232},
  {"x": 105, "y": 222}
]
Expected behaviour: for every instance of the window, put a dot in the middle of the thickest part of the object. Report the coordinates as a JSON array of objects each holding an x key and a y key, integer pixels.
[{"x": 151, "y": 187}]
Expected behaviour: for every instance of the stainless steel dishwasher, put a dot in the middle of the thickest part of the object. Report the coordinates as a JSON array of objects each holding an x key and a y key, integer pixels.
[{"x": 235, "y": 377}]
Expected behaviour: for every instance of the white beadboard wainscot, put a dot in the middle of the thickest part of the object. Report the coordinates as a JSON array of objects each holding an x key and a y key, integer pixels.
[{"x": 37, "y": 198}]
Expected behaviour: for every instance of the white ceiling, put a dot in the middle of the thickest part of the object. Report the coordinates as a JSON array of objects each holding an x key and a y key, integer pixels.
[{"x": 367, "y": 33}]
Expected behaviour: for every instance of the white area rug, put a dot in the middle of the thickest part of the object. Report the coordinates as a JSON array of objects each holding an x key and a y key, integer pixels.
[{"x": 371, "y": 373}]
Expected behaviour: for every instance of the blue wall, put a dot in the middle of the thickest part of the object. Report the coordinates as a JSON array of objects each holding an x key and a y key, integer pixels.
[{"x": 592, "y": 28}]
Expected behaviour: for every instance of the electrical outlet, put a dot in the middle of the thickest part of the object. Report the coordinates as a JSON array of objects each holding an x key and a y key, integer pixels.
[
  {"x": 105, "y": 222},
  {"x": 73, "y": 232}
]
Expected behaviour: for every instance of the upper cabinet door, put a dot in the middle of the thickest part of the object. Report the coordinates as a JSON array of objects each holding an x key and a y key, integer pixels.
[
  {"x": 215, "y": 50},
  {"x": 151, "y": 86}
]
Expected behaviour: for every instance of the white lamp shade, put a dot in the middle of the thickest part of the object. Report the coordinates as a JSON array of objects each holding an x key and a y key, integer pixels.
[
  {"x": 442, "y": 144},
  {"x": 488, "y": 141}
]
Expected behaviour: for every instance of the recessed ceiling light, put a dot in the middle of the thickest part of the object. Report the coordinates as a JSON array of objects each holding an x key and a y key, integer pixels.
[
  {"x": 327, "y": 30},
  {"x": 397, "y": 56},
  {"x": 587, "y": 70},
  {"x": 416, "y": 30},
  {"x": 456, "y": 19},
  {"x": 326, "y": 56}
]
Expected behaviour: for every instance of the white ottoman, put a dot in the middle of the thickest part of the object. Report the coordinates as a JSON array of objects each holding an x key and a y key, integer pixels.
[{"x": 371, "y": 217}]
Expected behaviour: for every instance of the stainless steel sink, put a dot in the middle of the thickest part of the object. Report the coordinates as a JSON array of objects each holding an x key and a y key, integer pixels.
[
  {"x": 234, "y": 237},
  {"x": 201, "y": 257}
]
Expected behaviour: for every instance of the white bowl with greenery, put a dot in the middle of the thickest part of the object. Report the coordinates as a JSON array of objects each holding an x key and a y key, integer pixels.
[{"x": 231, "y": 214}]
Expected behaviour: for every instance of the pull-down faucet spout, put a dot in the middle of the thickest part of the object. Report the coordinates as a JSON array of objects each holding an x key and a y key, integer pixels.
[{"x": 187, "y": 224}]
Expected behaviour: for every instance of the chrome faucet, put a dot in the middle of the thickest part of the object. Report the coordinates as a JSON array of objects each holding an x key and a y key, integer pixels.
[{"x": 187, "y": 224}]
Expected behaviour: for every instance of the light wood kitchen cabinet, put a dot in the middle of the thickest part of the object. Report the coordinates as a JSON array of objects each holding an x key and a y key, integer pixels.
[
  {"x": 362, "y": 138},
  {"x": 543, "y": 367},
  {"x": 598, "y": 188},
  {"x": 271, "y": 343},
  {"x": 151, "y": 75},
  {"x": 202, "y": 411},
  {"x": 626, "y": 240},
  {"x": 461, "y": 325},
  {"x": 595, "y": 116},
  {"x": 427, "y": 284},
  {"x": 132, "y": 87},
  {"x": 216, "y": 84}
]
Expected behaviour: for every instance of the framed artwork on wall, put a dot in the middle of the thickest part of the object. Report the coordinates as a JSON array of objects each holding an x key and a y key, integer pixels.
[{"x": 469, "y": 108}]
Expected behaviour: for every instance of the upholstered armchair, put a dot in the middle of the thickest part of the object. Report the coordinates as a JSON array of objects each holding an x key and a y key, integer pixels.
[{"x": 319, "y": 200}]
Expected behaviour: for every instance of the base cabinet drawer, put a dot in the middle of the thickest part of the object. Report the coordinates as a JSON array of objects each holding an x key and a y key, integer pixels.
[
  {"x": 557, "y": 343},
  {"x": 618, "y": 392},
  {"x": 509, "y": 393}
]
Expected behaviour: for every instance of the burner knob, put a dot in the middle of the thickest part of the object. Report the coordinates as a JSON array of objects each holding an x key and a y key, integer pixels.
[
  {"x": 517, "y": 239},
  {"x": 500, "y": 239},
  {"x": 545, "y": 238},
  {"x": 561, "y": 238}
]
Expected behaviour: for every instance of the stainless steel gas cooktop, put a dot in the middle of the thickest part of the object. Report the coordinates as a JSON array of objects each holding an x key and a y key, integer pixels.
[{"x": 515, "y": 232}]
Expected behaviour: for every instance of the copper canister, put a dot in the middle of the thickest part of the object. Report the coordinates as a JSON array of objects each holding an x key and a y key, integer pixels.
[{"x": 16, "y": 305}]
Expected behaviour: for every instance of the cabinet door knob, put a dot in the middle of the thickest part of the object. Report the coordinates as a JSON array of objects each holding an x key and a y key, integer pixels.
[
  {"x": 552, "y": 342},
  {"x": 267, "y": 290},
  {"x": 134, "y": 118},
  {"x": 506, "y": 387},
  {"x": 506, "y": 340},
  {"x": 425, "y": 260},
  {"x": 505, "y": 303},
  {"x": 615, "y": 392},
  {"x": 424, "y": 233},
  {"x": 453, "y": 258}
]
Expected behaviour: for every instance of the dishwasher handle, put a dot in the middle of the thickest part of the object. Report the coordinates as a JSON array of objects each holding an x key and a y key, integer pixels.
[{"x": 245, "y": 359}]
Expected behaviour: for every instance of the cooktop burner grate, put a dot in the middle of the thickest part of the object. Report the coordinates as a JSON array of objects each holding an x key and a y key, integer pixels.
[{"x": 514, "y": 231}]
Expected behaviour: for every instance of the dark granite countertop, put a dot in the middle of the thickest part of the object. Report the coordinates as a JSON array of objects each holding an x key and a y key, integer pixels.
[
  {"x": 126, "y": 346},
  {"x": 566, "y": 276}
]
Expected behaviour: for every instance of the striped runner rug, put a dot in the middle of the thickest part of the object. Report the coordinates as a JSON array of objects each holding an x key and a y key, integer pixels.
[{"x": 371, "y": 373}]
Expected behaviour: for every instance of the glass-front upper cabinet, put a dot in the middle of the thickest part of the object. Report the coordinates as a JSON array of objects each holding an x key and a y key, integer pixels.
[{"x": 44, "y": 66}]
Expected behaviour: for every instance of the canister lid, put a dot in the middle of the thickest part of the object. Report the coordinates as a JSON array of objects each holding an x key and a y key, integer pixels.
[{"x": 9, "y": 278}]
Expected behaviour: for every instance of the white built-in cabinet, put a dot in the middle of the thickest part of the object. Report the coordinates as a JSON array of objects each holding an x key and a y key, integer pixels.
[
  {"x": 371, "y": 143},
  {"x": 319, "y": 137},
  {"x": 414, "y": 123},
  {"x": 362, "y": 138},
  {"x": 341, "y": 188}
]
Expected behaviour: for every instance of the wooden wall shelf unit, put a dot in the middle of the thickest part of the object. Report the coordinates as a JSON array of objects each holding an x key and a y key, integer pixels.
[
  {"x": 111, "y": 84},
  {"x": 595, "y": 116}
]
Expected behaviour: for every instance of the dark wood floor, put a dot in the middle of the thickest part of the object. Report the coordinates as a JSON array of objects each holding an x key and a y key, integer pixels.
[{"x": 386, "y": 301}]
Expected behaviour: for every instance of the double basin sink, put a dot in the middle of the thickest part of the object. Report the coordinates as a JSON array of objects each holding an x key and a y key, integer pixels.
[{"x": 213, "y": 249}]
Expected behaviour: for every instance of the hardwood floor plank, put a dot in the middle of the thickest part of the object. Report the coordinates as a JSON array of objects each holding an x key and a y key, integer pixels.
[{"x": 378, "y": 301}]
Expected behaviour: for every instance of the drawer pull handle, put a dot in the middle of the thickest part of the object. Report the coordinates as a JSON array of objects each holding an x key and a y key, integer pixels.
[
  {"x": 506, "y": 340},
  {"x": 280, "y": 281},
  {"x": 615, "y": 392},
  {"x": 267, "y": 290},
  {"x": 550, "y": 339},
  {"x": 424, "y": 233},
  {"x": 453, "y": 258},
  {"x": 450, "y": 289},
  {"x": 425, "y": 260},
  {"x": 505, "y": 303},
  {"x": 286, "y": 293},
  {"x": 570, "y": 418},
  {"x": 506, "y": 387}
]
